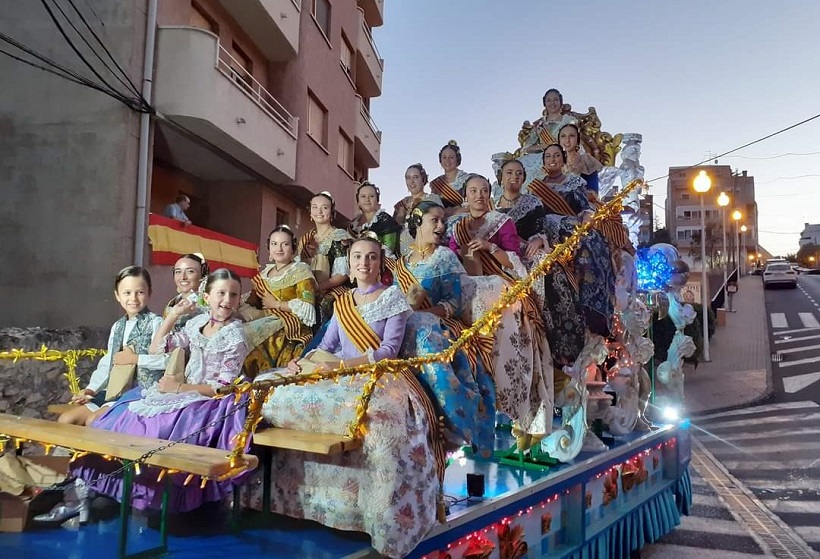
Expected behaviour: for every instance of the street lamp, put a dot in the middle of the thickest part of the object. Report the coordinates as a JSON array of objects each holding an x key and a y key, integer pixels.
[
  {"x": 702, "y": 184},
  {"x": 723, "y": 201},
  {"x": 736, "y": 217},
  {"x": 743, "y": 229}
]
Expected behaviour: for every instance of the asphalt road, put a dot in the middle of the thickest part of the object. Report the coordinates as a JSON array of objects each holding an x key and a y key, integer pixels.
[{"x": 794, "y": 338}]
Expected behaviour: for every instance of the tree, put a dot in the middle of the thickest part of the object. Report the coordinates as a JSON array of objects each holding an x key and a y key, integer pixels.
[{"x": 661, "y": 235}]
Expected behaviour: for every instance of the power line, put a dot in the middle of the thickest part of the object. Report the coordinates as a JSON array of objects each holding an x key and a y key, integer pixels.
[
  {"x": 790, "y": 154},
  {"x": 724, "y": 154},
  {"x": 788, "y": 178}
]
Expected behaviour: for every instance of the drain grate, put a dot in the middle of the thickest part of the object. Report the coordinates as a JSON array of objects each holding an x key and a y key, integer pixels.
[{"x": 774, "y": 535}]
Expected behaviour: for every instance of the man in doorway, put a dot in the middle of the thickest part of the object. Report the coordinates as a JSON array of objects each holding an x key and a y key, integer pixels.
[{"x": 177, "y": 209}]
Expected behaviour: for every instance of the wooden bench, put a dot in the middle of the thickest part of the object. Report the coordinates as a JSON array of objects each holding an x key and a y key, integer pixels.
[{"x": 188, "y": 458}]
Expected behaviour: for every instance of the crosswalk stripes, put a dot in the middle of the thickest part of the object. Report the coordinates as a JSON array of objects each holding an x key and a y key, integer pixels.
[
  {"x": 781, "y": 320},
  {"x": 796, "y": 349},
  {"x": 709, "y": 531},
  {"x": 774, "y": 451}
]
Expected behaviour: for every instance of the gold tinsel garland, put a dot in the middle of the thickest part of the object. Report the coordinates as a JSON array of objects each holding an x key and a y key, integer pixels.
[
  {"x": 485, "y": 326},
  {"x": 69, "y": 357}
]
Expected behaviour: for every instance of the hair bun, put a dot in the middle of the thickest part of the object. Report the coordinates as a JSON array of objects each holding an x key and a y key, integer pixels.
[{"x": 452, "y": 143}]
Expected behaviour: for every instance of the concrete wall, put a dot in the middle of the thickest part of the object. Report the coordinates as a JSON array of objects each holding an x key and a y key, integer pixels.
[{"x": 67, "y": 173}]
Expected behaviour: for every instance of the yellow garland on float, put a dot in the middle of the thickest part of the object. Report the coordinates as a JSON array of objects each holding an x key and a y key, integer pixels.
[
  {"x": 484, "y": 326},
  {"x": 69, "y": 357}
]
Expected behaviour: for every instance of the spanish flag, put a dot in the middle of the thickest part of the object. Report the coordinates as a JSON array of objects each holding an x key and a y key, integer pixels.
[{"x": 170, "y": 240}]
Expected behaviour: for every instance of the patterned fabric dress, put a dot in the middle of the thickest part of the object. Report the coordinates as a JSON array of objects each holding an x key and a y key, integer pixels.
[
  {"x": 384, "y": 226},
  {"x": 591, "y": 269},
  {"x": 327, "y": 257},
  {"x": 521, "y": 358},
  {"x": 280, "y": 336},
  {"x": 215, "y": 361},
  {"x": 463, "y": 389},
  {"x": 388, "y": 487}
]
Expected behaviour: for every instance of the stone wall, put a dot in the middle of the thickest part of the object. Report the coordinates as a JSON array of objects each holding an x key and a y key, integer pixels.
[{"x": 28, "y": 386}]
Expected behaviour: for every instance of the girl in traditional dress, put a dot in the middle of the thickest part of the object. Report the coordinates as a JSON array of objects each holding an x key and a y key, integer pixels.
[
  {"x": 544, "y": 131},
  {"x": 416, "y": 178},
  {"x": 173, "y": 410},
  {"x": 591, "y": 272},
  {"x": 324, "y": 249},
  {"x": 430, "y": 277},
  {"x": 578, "y": 162},
  {"x": 450, "y": 186},
  {"x": 489, "y": 246},
  {"x": 128, "y": 344},
  {"x": 386, "y": 488},
  {"x": 373, "y": 217},
  {"x": 524, "y": 209},
  {"x": 189, "y": 272},
  {"x": 284, "y": 295}
]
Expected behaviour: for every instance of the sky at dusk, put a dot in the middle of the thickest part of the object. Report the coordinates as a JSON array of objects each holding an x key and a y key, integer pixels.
[{"x": 695, "y": 78}]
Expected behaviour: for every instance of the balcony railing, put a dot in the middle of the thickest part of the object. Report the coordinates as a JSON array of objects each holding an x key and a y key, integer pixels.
[
  {"x": 369, "y": 119},
  {"x": 372, "y": 43},
  {"x": 242, "y": 79}
]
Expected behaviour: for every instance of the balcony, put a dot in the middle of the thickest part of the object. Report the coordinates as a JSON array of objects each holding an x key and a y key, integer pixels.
[
  {"x": 368, "y": 139},
  {"x": 199, "y": 88},
  {"x": 369, "y": 63},
  {"x": 273, "y": 25},
  {"x": 373, "y": 12}
]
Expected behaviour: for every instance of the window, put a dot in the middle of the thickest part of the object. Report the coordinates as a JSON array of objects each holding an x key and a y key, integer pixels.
[
  {"x": 347, "y": 57},
  {"x": 317, "y": 120},
  {"x": 200, "y": 18},
  {"x": 321, "y": 13},
  {"x": 282, "y": 217},
  {"x": 687, "y": 215},
  {"x": 345, "y": 158},
  {"x": 684, "y": 196},
  {"x": 241, "y": 64}
]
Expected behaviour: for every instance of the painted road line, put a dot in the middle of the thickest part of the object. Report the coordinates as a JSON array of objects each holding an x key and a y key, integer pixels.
[
  {"x": 779, "y": 320},
  {"x": 808, "y": 319}
]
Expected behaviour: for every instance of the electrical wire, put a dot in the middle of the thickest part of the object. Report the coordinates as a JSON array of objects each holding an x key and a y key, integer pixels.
[
  {"x": 776, "y": 156},
  {"x": 788, "y": 178},
  {"x": 126, "y": 82},
  {"x": 129, "y": 83},
  {"x": 744, "y": 146}
]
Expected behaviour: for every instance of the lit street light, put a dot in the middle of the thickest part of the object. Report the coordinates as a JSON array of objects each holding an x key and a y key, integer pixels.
[
  {"x": 723, "y": 201},
  {"x": 702, "y": 184},
  {"x": 743, "y": 229},
  {"x": 736, "y": 217}
]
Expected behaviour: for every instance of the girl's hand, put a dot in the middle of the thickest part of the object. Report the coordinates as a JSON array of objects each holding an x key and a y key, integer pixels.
[
  {"x": 182, "y": 308},
  {"x": 478, "y": 244},
  {"x": 293, "y": 367},
  {"x": 270, "y": 302},
  {"x": 586, "y": 216},
  {"x": 83, "y": 396},
  {"x": 168, "y": 384},
  {"x": 125, "y": 357}
]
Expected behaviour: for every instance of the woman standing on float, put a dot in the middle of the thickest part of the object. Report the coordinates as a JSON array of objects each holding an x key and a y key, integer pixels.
[
  {"x": 374, "y": 218},
  {"x": 324, "y": 249},
  {"x": 415, "y": 178},
  {"x": 450, "y": 185},
  {"x": 489, "y": 246}
]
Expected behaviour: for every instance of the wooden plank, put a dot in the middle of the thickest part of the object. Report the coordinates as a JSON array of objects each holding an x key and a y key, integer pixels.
[
  {"x": 190, "y": 458},
  {"x": 305, "y": 441}
]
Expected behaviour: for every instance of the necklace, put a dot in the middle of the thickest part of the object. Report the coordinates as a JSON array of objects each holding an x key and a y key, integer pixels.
[
  {"x": 215, "y": 321},
  {"x": 278, "y": 270},
  {"x": 365, "y": 298},
  {"x": 423, "y": 252},
  {"x": 510, "y": 201}
]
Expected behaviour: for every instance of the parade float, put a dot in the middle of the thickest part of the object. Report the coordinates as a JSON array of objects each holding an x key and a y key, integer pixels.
[{"x": 611, "y": 476}]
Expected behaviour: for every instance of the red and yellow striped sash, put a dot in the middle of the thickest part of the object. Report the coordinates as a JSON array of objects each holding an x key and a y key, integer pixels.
[
  {"x": 545, "y": 137},
  {"x": 359, "y": 331},
  {"x": 553, "y": 202},
  {"x": 489, "y": 264},
  {"x": 436, "y": 434},
  {"x": 407, "y": 280},
  {"x": 307, "y": 239},
  {"x": 441, "y": 187},
  {"x": 292, "y": 324}
]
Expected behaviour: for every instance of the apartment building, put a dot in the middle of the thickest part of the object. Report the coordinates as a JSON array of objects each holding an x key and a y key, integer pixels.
[
  {"x": 259, "y": 103},
  {"x": 683, "y": 213},
  {"x": 646, "y": 212}
]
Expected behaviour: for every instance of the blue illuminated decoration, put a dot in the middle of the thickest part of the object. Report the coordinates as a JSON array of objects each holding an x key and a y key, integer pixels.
[{"x": 653, "y": 269}]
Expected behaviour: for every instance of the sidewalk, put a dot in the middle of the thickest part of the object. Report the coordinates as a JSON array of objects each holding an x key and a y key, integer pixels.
[{"x": 740, "y": 370}]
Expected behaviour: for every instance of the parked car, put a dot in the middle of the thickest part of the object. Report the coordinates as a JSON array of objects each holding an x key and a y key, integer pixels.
[{"x": 779, "y": 273}]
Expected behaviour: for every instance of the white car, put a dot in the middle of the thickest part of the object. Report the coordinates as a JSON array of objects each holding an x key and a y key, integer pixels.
[{"x": 779, "y": 273}]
